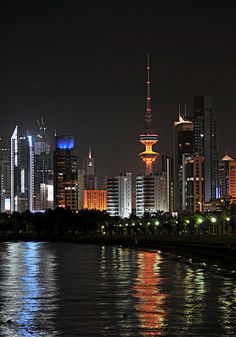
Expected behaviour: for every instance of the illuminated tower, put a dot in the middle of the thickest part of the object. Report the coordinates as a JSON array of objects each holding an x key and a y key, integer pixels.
[
  {"x": 90, "y": 181},
  {"x": 65, "y": 173},
  {"x": 148, "y": 136}
]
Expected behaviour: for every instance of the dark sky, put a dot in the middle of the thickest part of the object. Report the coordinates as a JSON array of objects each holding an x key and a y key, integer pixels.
[{"x": 81, "y": 66}]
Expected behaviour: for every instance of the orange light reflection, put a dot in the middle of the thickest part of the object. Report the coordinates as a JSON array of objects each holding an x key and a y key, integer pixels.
[{"x": 150, "y": 308}]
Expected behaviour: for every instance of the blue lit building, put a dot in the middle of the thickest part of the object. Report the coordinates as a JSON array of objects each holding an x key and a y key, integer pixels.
[{"x": 65, "y": 173}]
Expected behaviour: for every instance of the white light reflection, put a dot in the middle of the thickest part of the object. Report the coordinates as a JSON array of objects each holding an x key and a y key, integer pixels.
[{"x": 28, "y": 291}]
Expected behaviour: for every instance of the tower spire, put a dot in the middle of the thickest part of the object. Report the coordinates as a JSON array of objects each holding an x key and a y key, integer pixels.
[
  {"x": 148, "y": 114},
  {"x": 90, "y": 151},
  {"x": 148, "y": 136}
]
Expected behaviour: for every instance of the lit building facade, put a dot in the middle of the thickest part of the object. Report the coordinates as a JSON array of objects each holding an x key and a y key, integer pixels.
[
  {"x": 232, "y": 181},
  {"x": 152, "y": 194},
  {"x": 22, "y": 171},
  {"x": 65, "y": 173},
  {"x": 81, "y": 182},
  {"x": 192, "y": 183},
  {"x": 224, "y": 175},
  {"x": 168, "y": 172},
  {"x": 205, "y": 143},
  {"x": 95, "y": 199},
  {"x": 90, "y": 181},
  {"x": 183, "y": 144},
  {"x": 146, "y": 195},
  {"x": 5, "y": 177},
  {"x": 43, "y": 172},
  {"x": 119, "y": 195}
]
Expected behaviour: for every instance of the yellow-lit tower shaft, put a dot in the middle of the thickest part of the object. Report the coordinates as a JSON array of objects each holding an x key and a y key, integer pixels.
[{"x": 148, "y": 136}]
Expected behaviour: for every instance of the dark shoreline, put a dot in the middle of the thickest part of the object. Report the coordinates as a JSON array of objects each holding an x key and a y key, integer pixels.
[{"x": 220, "y": 250}]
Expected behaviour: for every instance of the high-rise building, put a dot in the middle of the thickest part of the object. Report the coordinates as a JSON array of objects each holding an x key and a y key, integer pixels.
[
  {"x": 90, "y": 180},
  {"x": 65, "y": 173},
  {"x": 232, "y": 181},
  {"x": 152, "y": 194},
  {"x": 5, "y": 177},
  {"x": 227, "y": 177},
  {"x": 95, "y": 199},
  {"x": 205, "y": 143},
  {"x": 81, "y": 179},
  {"x": 43, "y": 171},
  {"x": 148, "y": 136},
  {"x": 146, "y": 194},
  {"x": 22, "y": 171},
  {"x": 168, "y": 171},
  {"x": 192, "y": 183},
  {"x": 119, "y": 195},
  {"x": 183, "y": 143},
  {"x": 224, "y": 175}
]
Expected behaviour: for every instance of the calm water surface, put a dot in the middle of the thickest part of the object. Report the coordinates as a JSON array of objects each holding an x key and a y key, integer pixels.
[{"x": 59, "y": 289}]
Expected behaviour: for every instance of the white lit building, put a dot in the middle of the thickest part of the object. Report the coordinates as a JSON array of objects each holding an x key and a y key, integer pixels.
[{"x": 119, "y": 195}]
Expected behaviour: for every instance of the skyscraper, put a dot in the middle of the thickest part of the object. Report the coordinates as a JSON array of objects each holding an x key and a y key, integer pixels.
[
  {"x": 227, "y": 177},
  {"x": 43, "y": 172},
  {"x": 119, "y": 195},
  {"x": 21, "y": 171},
  {"x": 168, "y": 171},
  {"x": 205, "y": 143},
  {"x": 90, "y": 181},
  {"x": 192, "y": 183},
  {"x": 183, "y": 144},
  {"x": 5, "y": 182},
  {"x": 148, "y": 136},
  {"x": 65, "y": 173},
  {"x": 146, "y": 201}
]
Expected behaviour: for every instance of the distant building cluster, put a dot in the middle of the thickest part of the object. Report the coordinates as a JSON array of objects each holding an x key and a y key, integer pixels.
[{"x": 36, "y": 175}]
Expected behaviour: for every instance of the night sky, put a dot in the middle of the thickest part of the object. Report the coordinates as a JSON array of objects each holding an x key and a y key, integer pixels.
[{"x": 81, "y": 66}]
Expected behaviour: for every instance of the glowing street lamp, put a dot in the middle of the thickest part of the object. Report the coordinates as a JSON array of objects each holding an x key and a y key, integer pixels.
[
  {"x": 199, "y": 220},
  {"x": 187, "y": 221},
  {"x": 213, "y": 219},
  {"x": 157, "y": 223},
  {"x": 227, "y": 218}
]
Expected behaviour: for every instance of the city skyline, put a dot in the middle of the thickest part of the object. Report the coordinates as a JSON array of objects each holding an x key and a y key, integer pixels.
[{"x": 50, "y": 70}]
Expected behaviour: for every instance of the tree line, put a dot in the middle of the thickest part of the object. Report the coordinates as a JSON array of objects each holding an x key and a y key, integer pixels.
[{"x": 63, "y": 221}]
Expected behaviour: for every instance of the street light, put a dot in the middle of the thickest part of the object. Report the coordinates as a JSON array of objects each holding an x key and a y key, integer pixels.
[
  {"x": 227, "y": 219},
  {"x": 213, "y": 219},
  {"x": 199, "y": 220},
  {"x": 157, "y": 223},
  {"x": 187, "y": 221}
]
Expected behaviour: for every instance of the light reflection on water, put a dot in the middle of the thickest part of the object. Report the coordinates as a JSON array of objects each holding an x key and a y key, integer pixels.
[
  {"x": 62, "y": 289},
  {"x": 26, "y": 281},
  {"x": 148, "y": 287}
]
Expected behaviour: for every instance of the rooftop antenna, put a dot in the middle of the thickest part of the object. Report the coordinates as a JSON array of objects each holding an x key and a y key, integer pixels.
[
  {"x": 185, "y": 110},
  {"x": 148, "y": 114}
]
